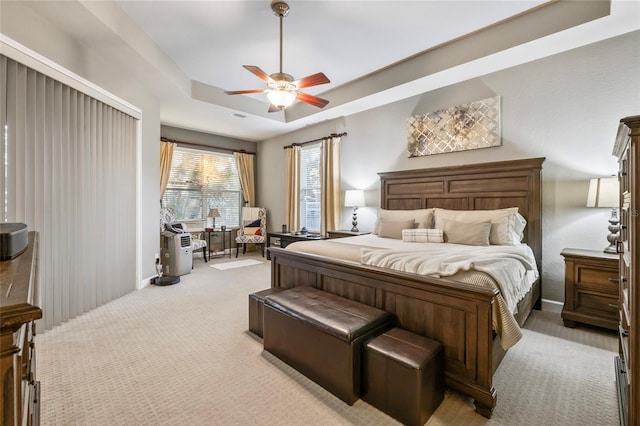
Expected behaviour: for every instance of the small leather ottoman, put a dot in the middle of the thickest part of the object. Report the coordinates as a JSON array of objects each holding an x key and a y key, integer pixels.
[
  {"x": 256, "y": 304},
  {"x": 321, "y": 335},
  {"x": 403, "y": 375}
]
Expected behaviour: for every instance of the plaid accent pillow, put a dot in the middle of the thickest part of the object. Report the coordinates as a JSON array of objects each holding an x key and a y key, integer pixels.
[{"x": 423, "y": 235}]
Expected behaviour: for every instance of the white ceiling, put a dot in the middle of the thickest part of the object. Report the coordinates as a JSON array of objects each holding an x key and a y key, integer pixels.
[{"x": 197, "y": 48}]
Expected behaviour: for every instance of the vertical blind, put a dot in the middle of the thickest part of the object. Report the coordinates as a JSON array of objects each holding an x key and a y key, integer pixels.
[
  {"x": 69, "y": 173},
  {"x": 202, "y": 180}
]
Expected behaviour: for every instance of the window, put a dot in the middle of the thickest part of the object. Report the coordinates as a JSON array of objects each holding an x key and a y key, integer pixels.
[
  {"x": 201, "y": 180},
  {"x": 310, "y": 187}
]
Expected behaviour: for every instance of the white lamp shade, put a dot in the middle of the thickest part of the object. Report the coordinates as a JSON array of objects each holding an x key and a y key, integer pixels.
[
  {"x": 354, "y": 198},
  {"x": 603, "y": 192},
  {"x": 213, "y": 213},
  {"x": 281, "y": 98}
]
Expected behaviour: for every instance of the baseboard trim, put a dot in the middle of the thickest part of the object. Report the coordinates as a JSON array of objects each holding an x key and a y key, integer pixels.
[
  {"x": 147, "y": 281},
  {"x": 552, "y": 306}
]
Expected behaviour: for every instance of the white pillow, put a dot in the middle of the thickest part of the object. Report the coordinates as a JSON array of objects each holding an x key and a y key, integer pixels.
[
  {"x": 507, "y": 225},
  {"x": 423, "y": 218}
]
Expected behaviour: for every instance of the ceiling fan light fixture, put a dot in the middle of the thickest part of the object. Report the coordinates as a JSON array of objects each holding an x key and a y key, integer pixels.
[
  {"x": 281, "y": 98},
  {"x": 283, "y": 90}
]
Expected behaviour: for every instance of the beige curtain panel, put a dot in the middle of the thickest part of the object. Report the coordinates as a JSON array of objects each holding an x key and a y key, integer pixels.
[
  {"x": 166, "y": 155},
  {"x": 292, "y": 199},
  {"x": 70, "y": 176},
  {"x": 246, "y": 171},
  {"x": 330, "y": 188}
]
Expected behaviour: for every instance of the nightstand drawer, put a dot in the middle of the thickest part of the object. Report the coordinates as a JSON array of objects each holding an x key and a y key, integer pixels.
[{"x": 599, "y": 280}]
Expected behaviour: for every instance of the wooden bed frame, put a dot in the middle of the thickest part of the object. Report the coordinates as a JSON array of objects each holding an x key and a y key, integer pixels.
[{"x": 457, "y": 315}]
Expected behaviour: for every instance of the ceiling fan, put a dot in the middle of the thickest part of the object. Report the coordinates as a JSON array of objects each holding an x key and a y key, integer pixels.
[{"x": 282, "y": 90}]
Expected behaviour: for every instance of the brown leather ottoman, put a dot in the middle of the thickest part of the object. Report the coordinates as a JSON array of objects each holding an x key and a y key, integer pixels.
[
  {"x": 403, "y": 375},
  {"x": 321, "y": 335},
  {"x": 256, "y": 303}
]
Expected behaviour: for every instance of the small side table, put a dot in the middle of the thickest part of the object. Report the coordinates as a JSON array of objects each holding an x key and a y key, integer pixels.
[
  {"x": 590, "y": 288},
  {"x": 215, "y": 234},
  {"x": 341, "y": 233}
]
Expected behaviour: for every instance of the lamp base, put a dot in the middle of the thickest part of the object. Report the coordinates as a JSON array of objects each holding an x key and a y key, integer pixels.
[
  {"x": 614, "y": 228},
  {"x": 354, "y": 220}
]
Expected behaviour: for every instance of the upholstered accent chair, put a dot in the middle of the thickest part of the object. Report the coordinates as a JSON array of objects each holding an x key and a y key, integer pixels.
[
  {"x": 253, "y": 229},
  {"x": 167, "y": 216}
]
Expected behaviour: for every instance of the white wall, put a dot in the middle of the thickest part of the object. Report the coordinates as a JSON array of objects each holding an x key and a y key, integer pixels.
[{"x": 565, "y": 108}]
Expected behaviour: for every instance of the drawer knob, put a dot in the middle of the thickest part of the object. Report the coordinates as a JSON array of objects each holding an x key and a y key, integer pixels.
[{"x": 624, "y": 333}]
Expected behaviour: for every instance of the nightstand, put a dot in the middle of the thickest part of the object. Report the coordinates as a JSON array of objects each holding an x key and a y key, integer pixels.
[
  {"x": 341, "y": 233},
  {"x": 590, "y": 288}
]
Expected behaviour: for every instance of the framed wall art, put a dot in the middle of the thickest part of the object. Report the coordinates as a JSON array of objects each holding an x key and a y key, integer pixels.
[{"x": 465, "y": 127}]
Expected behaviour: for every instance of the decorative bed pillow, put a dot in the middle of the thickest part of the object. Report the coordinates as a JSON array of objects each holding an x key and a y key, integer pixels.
[
  {"x": 255, "y": 223},
  {"x": 252, "y": 230},
  {"x": 393, "y": 229},
  {"x": 471, "y": 234},
  {"x": 507, "y": 225},
  {"x": 423, "y": 218},
  {"x": 423, "y": 235}
]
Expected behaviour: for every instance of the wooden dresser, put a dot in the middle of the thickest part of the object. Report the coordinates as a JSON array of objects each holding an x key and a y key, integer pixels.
[
  {"x": 590, "y": 288},
  {"x": 627, "y": 149},
  {"x": 20, "y": 390}
]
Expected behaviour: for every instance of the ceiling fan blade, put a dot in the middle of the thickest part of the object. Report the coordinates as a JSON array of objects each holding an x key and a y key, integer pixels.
[
  {"x": 312, "y": 80},
  {"x": 273, "y": 108},
  {"x": 243, "y": 92},
  {"x": 312, "y": 100},
  {"x": 257, "y": 71}
]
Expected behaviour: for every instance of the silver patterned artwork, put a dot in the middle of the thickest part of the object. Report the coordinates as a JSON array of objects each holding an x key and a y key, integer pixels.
[{"x": 460, "y": 128}]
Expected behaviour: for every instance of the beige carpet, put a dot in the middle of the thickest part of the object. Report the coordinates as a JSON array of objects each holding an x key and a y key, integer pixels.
[{"x": 182, "y": 355}]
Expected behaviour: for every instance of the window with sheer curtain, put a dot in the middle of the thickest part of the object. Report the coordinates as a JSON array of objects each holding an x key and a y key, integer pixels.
[
  {"x": 201, "y": 180},
  {"x": 310, "y": 185}
]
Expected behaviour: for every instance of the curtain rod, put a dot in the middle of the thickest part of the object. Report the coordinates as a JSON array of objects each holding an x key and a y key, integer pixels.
[
  {"x": 163, "y": 139},
  {"x": 332, "y": 135}
]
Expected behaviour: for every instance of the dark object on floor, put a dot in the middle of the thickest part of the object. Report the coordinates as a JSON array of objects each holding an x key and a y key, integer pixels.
[
  {"x": 321, "y": 335},
  {"x": 13, "y": 240},
  {"x": 403, "y": 375},
  {"x": 256, "y": 309},
  {"x": 166, "y": 280}
]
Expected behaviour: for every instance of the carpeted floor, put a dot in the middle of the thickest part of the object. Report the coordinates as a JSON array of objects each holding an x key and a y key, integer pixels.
[{"x": 182, "y": 355}]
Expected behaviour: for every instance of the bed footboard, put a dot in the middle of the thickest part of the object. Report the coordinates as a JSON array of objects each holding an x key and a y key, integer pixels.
[{"x": 455, "y": 314}]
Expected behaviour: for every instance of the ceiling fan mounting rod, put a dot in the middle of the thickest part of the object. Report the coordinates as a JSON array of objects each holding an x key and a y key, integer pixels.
[{"x": 280, "y": 9}]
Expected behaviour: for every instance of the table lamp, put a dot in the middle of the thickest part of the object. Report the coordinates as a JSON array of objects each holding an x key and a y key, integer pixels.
[
  {"x": 213, "y": 213},
  {"x": 354, "y": 198},
  {"x": 604, "y": 192}
]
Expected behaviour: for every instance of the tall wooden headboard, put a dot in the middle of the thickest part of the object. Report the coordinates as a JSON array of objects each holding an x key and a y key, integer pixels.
[{"x": 483, "y": 186}]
